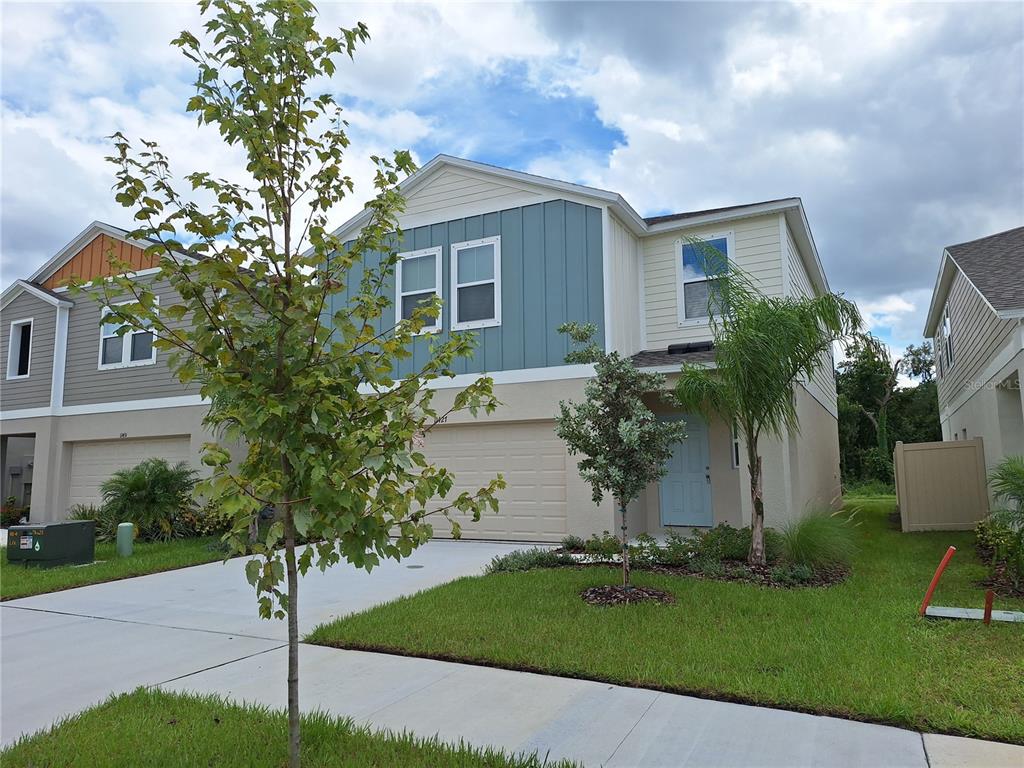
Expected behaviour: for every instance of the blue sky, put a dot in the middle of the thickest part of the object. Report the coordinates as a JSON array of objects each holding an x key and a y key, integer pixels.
[{"x": 899, "y": 125}]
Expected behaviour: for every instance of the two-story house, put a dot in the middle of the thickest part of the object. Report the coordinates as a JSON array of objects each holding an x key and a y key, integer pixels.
[
  {"x": 976, "y": 323},
  {"x": 512, "y": 256}
]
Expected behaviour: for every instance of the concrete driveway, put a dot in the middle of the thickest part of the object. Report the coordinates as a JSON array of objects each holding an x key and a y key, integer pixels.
[{"x": 65, "y": 651}]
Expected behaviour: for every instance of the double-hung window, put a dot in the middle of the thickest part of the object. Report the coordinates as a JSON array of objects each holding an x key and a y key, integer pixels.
[
  {"x": 134, "y": 347},
  {"x": 418, "y": 276},
  {"x": 19, "y": 349},
  {"x": 476, "y": 283},
  {"x": 699, "y": 263}
]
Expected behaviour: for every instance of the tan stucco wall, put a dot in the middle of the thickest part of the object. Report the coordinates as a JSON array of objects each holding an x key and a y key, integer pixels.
[
  {"x": 814, "y": 451},
  {"x": 54, "y": 436},
  {"x": 988, "y": 413}
]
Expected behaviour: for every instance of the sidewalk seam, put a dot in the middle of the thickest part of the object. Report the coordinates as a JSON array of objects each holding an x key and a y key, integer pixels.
[
  {"x": 215, "y": 666},
  {"x": 632, "y": 728},
  {"x": 924, "y": 748},
  {"x": 143, "y": 623}
]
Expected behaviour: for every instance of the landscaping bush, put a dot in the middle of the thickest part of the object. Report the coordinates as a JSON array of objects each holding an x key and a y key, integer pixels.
[
  {"x": 604, "y": 546},
  {"x": 154, "y": 496},
  {"x": 992, "y": 537},
  {"x": 11, "y": 514},
  {"x": 723, "y": 542},
  {"x": 573, "y": 544},
  {"x": 528, "y": 559},
  {"x": 106, "y": 521},
  {"x": 817, "y": 540},
  {"x": 679, "y": 550},
  {"x": 645, "y": 551},
  {"x": 1006, "y": 526},
  {"x": 790, "y": 575}
]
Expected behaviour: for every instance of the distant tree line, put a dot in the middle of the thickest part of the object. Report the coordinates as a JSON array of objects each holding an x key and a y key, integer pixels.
[{"x": 875, "y": 412}]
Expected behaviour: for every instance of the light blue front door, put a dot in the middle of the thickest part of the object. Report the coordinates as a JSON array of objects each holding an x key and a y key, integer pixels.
[{"x": 685, "y": 490}]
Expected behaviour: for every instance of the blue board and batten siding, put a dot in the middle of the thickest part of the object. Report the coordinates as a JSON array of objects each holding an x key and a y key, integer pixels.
[{"x": 551, "y": 273}]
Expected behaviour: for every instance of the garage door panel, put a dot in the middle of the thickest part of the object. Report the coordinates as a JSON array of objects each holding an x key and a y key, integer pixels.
[
  {"x": 93, "y": 462},
  {"x": 533, "y": 462}
]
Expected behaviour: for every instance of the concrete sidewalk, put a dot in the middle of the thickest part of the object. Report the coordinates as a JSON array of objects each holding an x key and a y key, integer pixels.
[
  {"x": 65, "y": 651},
  {"x": 594, "y": 723}
]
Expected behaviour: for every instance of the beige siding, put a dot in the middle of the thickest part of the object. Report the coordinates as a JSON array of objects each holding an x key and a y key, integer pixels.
[
  {"x": 85, "y": 383},
  {"x": 977, "y": 336},
  {"x": 33, "y": 392},
  {"x": 757, "y": 251},
  {"x": 814, "y": 456},
  {"x": 624, "y": 288},
  {"x": 455, "y": 188},
  {"x": 823, "y": 385}
]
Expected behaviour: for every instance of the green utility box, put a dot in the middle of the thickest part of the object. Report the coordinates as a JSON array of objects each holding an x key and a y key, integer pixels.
[{"x": 68, "y": 543}]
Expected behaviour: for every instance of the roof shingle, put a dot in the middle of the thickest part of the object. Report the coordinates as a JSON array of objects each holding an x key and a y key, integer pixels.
[{"x": 995, "y": 264}]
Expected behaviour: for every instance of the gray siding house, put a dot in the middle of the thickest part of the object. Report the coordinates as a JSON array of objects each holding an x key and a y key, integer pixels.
[
  {"x": 976, "y": 321},
  {"x": 512, "y": 256}
]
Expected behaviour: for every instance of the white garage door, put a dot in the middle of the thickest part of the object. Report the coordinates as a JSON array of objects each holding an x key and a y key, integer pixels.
[
  {"x": 533, "y": 461},
  {"x": 94, "y": 462}
]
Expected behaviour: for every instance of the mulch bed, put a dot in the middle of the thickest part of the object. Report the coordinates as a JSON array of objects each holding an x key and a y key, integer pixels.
[
  {"x": 616, "y": 594},
  {"x": 1002, "y": 583}
]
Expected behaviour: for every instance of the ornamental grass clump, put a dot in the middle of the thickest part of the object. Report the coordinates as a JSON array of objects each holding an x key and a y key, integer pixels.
[{"x": 818, "y": 540}]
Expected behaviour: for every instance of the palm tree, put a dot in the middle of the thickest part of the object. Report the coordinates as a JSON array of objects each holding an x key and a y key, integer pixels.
[{"x": 763, "y": 346}]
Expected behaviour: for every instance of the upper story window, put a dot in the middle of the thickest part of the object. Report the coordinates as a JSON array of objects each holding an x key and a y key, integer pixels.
[
  {"x": 135, "y": 347},
  {"x": 699, "y": 264},
  {"x": 19, "y": 349},
  {"x": 476, "y": 283},
  {"x": 947, "y": 340},
  {"x": 418, "y": 276}
]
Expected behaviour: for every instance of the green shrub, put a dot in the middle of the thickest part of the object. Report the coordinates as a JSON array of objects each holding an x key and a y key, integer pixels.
[
  {"x": 818, "y": 539},
  {"x": 528, "y": 559},
  {"x": 711, "y": 567},
  {"x": 645, "y": 551},
  {"x": 106, "y": 522},
  {"x": 10, "y": 514},
  {"x": 603, "y": 546},
  {"x": 679, "y": 550},
  {"x": 723, "y": 542},
  {"x": 992, "y": 537},
  {"x": 1007, "y": 481},
  {"x": 573, "y": 544},
  {"x": 153, "y": 495}
]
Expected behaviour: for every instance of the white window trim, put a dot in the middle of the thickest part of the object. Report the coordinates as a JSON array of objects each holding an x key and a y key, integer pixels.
[
  {"x": 496, "y": 280},
  {"x": 948, "y": 349},
  {"x": 30, "y": 322},
  {"x": 126, "y": 346},
  {"x": 681, "y": 317},
  {"x": 437, "y": 252}
]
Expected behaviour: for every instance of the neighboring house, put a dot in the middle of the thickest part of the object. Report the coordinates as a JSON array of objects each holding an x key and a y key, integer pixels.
[
  {"x": 513, "y": 256},
  {"x": 89, "y": 402},
  {"x": 976, "y": 321}
]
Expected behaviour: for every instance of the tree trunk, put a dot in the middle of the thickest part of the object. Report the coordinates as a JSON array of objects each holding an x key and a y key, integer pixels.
[
  {"x": 882, "y": 431},
  {"x": 625, "y": 547},
  {"x": 757, "y": 555},
  {"x": 293, "y": 640}
]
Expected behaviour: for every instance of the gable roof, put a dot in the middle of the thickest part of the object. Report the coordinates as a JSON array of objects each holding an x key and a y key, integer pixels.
[
  {"x": 993, "y": 265},
  {"x": 791, "y": 207},
  {"x": 652, "y": 220},
  {"x": 18, "y": 287}
]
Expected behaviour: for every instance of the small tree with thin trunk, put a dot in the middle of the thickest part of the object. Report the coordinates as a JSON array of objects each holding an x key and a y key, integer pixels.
[
  {"x": 623, "y": 443},
  {"x": 286, "y": 334},
  {"x": 764, "y": 345}
]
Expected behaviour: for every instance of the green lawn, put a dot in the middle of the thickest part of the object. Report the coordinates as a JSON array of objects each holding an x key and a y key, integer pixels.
[
  {"x": 149, "y": 557},
  {"x": 855, "y": 650},
  {"x": 152, "y": 728}
]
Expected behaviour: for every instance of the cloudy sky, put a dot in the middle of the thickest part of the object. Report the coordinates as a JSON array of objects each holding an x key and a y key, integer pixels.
[{"x": 900, "y": 126}]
